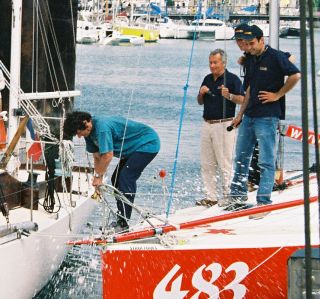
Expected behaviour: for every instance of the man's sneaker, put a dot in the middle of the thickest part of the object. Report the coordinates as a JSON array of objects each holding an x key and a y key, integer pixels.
[
  {"x": 239, "y": 198},
  {"x": 235, "y": 203},
  {"x": 224, "y": 202},
  {"x": 206, "y": 202},
  {"x": 258, "y": 215},
  {"x": 251, "y": 187},
  {"x": 120, "y": 226}
]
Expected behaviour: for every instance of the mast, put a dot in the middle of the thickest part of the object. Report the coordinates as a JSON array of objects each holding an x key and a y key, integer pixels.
[
  {"x": 274, "y": 22},
  {"x": 15, "y": 67}
]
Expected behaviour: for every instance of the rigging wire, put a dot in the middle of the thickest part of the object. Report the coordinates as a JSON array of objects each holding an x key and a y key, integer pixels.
[
  {"x": 305, "y": 147},
  {"x": 41, "y": 24},
  {"x": 47, "y": 51},
  {"x": 314, "y": 97},
  {"x": 56, "y": 46},
  {"x": 185, "y": 88},
  {"x": 224, "y": 108},
  {"x": 127, "y": 119},
  {"x": 73, "y": 27}
]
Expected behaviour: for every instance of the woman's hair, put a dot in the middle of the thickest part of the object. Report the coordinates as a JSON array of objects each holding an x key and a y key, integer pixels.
[{"x": 74, "y": 122}]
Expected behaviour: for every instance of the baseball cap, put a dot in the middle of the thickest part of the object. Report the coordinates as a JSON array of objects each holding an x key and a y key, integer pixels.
[
  {"x": 252, "y": 32},
  {"x": 240, "y": 29}
]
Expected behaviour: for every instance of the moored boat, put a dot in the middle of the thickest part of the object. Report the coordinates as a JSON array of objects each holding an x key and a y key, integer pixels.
[
  {"x": 40, "y": 203},
  {"x": 203, "y": 252},
  {"x": 211, "y": 29},
  {"x": 149, "y": 34},
  {"x": 117, "y": 39},
  {"x": 290, "y": 32}
]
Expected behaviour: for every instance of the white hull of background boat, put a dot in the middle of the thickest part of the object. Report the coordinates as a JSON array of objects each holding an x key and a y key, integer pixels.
[
  {"x": 211, "y": 253},
  {"x": 181, "y": 32},
  {"x": 28, "y": 263},
  {"x": 117, "y": 39},
  {"x": 149, "y": 34},
  {"x": 211, "y": 29}
]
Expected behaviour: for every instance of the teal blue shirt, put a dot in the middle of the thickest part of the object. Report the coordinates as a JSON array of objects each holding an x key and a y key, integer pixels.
[{"x": 108, "y": 133}]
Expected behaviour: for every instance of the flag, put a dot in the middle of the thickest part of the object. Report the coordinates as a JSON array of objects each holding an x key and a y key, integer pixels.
[
  {"x": 35, "y": 149},
  {"x": 3, "y": 135},
  {"x": 296, "y": 133}
]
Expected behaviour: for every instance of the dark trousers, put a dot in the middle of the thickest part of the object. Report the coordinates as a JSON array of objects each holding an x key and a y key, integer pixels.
[
  {"x": 254, "y": 171},
  {"x": 125, "y": 177}
]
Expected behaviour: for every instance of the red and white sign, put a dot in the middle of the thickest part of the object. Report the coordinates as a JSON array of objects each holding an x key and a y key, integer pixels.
[
  {"x": 196, "y": 274},
  {"x": 296, "y": 133}
]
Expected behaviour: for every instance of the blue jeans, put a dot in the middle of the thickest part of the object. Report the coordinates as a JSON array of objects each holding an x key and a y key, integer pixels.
[
  {"x": 125, "y": 177},
  {"x": 264, "y": 131}
]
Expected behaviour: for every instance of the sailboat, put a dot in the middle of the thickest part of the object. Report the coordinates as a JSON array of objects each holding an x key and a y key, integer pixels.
[
  {"x": 147, "y": 30},
  {"x": 41, "y": 203},
  {"x": 206, "y": 252},
  {"x": 211, "y": 29}
]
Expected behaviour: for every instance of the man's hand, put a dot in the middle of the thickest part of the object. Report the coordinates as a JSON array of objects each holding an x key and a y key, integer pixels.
[
  {"x": 241, "y": 60},
  {"x": 268, "y": 97},
  {"x": 236, "y": 121},
  {"x": 203, "y": 90},
  {"x": 225, "y": 92},
  {"x": 97, "y": 182}
]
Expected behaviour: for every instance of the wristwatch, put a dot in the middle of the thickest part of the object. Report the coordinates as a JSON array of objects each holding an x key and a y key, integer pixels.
[{"x": 98, "y": 176}]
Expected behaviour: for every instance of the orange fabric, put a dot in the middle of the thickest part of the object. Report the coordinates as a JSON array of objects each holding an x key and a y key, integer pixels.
[
  {"x": 35, "y": 151},
  {"x": 3, "y": 135}
]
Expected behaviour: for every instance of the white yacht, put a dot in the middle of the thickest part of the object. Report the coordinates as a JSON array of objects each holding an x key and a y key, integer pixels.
[
  {"x": 211, "y": 29},
  {"x": 86, "y": 33}
]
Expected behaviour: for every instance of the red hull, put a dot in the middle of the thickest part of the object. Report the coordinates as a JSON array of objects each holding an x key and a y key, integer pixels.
[{"x": 200, "y": 273}]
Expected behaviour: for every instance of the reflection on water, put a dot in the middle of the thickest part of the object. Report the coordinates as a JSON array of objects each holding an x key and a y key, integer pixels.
[{"x": 147, "y": 83}]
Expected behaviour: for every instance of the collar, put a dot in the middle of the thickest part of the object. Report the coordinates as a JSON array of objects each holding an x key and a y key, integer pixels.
[
  {"x": 221, "y": 76},
  {"x": 266, "y": 47}
]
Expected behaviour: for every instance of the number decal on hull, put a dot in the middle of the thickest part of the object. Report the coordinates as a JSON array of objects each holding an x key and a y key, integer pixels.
[
  {"x": 242, "y": 270},
  {"x": 175, "y": 292},
  {"x": 203, "y": 286}
]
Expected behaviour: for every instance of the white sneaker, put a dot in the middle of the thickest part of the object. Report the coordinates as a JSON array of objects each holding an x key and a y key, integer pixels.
[
  {"x": 258, "y": 215},
  {"x": 224, "y": 202}
]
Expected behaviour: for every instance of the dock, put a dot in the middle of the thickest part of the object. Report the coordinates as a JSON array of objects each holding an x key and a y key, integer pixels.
[{"x": 237, "y": 18}]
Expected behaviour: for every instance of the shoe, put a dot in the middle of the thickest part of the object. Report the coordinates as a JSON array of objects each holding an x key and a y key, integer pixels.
[
  {"x": 258, "y": 215},
  {"x": 236, "y": 202},
  {"x": 120, "y": 226},
  {"x": 238, "y": 206},
  {"x": 251, "y": 187},
  {"x": 224, "y": 202},
  {"x": 238, "y": 198},
  {"x": 206, "y": 202}
]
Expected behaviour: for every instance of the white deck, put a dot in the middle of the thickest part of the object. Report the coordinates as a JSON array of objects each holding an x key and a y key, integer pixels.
[
  {"x": 30, "y": 262},
  {"x": 283, "y": 227}
]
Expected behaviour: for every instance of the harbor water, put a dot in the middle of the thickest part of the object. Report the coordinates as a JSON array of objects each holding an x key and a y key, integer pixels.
[{"x": 149, "y": 84}]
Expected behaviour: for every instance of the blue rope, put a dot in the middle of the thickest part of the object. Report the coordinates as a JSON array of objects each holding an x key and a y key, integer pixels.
[{"x": 185, "y": 88}]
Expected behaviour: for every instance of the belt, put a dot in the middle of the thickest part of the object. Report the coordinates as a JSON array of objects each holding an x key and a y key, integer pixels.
[{"x": 216, "y": 121}]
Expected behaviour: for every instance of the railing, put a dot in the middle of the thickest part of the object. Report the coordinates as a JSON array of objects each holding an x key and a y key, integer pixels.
[{"x": 41, "y": 126}]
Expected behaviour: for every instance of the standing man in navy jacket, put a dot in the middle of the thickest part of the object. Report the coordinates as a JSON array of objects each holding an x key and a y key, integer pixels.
[
  {"x": 219, "y": 93},
  {"x": 259, "y": 116}
]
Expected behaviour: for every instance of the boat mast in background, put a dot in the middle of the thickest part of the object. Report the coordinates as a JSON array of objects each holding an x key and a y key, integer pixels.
[
  {"x": 274, "y": 22},
  {"x": 57, "y": 21},
  {"x": 15, "y": 67}
]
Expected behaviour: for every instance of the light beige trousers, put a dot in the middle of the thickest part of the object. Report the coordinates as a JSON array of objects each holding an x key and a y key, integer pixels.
[{"x": 217, "y": 146}]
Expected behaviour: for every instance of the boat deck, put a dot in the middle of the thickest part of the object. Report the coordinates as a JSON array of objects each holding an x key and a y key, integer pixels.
[{"x": 216, "y": 228}]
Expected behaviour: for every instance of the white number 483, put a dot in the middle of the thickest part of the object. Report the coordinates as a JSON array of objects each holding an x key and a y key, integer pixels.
[{"x": 202, "y": 285}]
